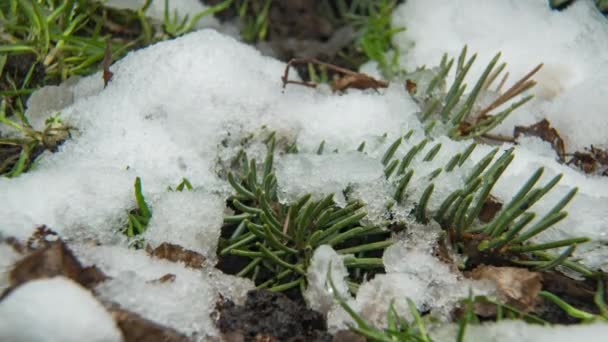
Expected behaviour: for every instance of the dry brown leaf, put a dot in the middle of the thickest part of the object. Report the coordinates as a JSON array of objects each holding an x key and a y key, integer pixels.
[
  {"x": 489, "y": 209},
  {"x": 543, "y": 130},
  {"x": 517, "y": 287},
  {"x": 177, "y": 253},
  {"x": 51, "y": 260}
]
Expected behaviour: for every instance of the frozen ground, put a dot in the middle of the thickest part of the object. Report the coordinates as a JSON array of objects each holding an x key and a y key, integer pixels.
[{"x": 174, "y": 109}]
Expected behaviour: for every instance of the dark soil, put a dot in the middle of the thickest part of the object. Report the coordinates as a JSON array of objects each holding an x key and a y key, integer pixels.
[{"x": 272, "y": 316}]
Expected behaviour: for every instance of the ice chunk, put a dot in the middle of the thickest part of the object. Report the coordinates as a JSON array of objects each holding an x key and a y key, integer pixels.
[
  {"x": 319, "y": 294},
  {"x": 300, "y": 174},
  {"x": 190, "y": 219},
  {"x": 55, "y": 309}
]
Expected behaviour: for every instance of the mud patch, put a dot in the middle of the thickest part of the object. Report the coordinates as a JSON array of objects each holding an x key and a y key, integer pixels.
[{"x": 270, "y": 316}]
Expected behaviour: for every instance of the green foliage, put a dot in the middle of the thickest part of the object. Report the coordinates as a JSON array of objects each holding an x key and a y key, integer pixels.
[
  {"x": 458, "y": 113},
  {"x": 174, "y": 26},
  {"x": 376, "y": 34},
  {"x": 584, "y": 316},
  {"x": 184, "y": 184},
  {"x": 66, "y": 38},
  {"x": 19, "y": 152},
  {"x": 372, "y": 21},
  {"x": 511, "y": 229},
  {"x": 254, "y": 19},
  {"x": 139, "y": 217},
  {"x": 280, "y": 238}
]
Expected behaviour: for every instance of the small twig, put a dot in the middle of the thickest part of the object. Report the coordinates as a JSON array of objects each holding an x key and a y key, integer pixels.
[
  {"x": 352, "y": 79},
  {"x": 107, "y": 60}
]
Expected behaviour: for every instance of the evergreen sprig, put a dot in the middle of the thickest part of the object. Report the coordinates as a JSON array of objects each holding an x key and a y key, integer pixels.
[
  {"x": 280, "y": 238},
  {"x": 458, "y": 112},
  {"x": 510, "y": 232}
]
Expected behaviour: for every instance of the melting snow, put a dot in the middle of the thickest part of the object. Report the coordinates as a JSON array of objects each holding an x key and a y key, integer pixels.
[{"x": 170, "y": 107}]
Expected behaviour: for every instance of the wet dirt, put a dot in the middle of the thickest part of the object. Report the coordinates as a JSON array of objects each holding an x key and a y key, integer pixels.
[{"x": 273, "y": 316}]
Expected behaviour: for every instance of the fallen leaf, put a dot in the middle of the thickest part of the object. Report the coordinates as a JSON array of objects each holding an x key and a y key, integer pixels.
[
  {"x": 177, "y": 253},
  {"x": 489, "y": 209},
  {"x": 517, "y": 287},
  {"x": 136, "y": 328},
  {"x": 51, "y": 260},
  {"x": 543, "y": 130},
  {"x": 583, "y": 161},
  {"x": 411, "y": 87}
]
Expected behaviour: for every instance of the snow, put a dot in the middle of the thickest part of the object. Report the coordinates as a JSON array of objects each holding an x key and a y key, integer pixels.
[
  {"x": 184, "y": 303},
  {"x": 412, "y": 271},
  {"x": 8, "y": 257},
  {"x": 319, "y": 293},
  {"x": 507, "y": 330},
  {"x": 191, "y": 219},
  {"x": 571, "y": 44},
  {"x": 299, "y": 174},
  {"x": 181, "y": 108},
  {"x": 55, "y": 310}
]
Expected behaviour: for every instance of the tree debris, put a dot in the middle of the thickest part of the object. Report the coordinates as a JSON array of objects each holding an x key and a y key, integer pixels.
[
  {"x": 543, "y": 130},
  {"x": 517, "y": 287},
  {"x": 177, "y": 253},
  {"x": 351, "y": 79}
]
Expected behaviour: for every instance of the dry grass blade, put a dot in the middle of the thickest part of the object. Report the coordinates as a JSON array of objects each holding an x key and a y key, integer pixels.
[{"x": 519, "y": 87}]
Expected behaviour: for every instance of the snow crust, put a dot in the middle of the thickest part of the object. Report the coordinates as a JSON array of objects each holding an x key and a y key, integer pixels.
[
  {"x": 55, "y": 310},
  {"x": 571, "y": 44}
]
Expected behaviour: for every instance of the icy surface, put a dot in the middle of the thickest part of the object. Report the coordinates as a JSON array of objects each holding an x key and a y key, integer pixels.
[
  {"x": 507, "y": 331},
  {"x": 326, "y": 264},
  {"x": 55, "y": 310},
  {"x": 300, "y": 174},
  {"x": 571, "y": 43}
]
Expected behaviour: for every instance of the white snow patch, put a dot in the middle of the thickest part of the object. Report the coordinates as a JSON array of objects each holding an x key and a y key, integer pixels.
[
  {"x": 55, "y": 310},
  {"x": 191, "y": 219},
  {"x": 571, "y": 44},
  {"x": 507, "y": 330}
]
